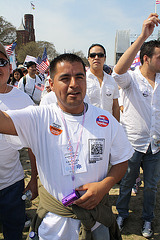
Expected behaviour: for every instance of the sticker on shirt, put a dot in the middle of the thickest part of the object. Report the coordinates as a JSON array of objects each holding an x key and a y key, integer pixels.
[
  {"x": 96, "y": 149},
  {"x": 102, "y": 121},
  {"x": 80, "y": 165},
  {"x": 55, "y": 129}
]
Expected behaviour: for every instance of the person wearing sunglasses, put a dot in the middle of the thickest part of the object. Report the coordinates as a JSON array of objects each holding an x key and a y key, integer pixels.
[
  {"x": 102, "y": 89},
  {"x": 12, "y": 207}
]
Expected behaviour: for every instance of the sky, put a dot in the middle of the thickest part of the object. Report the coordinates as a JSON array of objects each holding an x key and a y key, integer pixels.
[{"x": 76, "y": 24}]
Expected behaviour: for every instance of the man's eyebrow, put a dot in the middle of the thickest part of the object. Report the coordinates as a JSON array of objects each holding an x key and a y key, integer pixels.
[
  {"x": 68, "y": 75},
  {"x": 65, "y": 75},
  {"x": 80, "y": 74}
]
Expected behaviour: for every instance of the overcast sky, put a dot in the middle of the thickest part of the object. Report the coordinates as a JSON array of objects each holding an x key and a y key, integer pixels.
[{"x": 76, "y": 24}]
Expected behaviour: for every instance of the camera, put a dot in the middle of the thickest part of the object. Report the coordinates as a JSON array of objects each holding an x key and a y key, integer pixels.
[{"x": 69, "y": 199}]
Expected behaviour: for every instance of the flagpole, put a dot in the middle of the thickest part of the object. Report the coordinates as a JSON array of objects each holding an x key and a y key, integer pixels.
[{"x": 155, "y": 7}]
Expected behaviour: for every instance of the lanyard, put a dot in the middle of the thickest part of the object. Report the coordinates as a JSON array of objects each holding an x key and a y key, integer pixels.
[{"x": 70, "y": 144}]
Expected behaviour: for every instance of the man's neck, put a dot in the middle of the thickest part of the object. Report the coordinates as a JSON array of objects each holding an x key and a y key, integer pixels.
[
  {"x": 99, "y": 74},
  {"x": 32, "y": 76},
  {"x": 5, "y": 88},
  {"x": 149, "y": 75}
]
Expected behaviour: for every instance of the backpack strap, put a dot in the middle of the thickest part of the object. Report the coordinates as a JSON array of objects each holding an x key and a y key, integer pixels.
[{"x": 24, "y": 82}]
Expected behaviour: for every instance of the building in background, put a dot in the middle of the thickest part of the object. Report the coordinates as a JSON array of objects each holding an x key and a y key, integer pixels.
[
  {"x": 124, "y": 39},
  {"x": 122, "y": 43},
  {"x": 26, "y": 33}
]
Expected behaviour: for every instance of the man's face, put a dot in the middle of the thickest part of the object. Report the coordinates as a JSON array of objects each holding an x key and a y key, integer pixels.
[
  {"x": 32, "y": 70},
  {"x": 70, "y": 86},
  {"x": 154, "y": 62},
  {"x": 4, "y": 71},
  {"x": 96, "y": 62}
]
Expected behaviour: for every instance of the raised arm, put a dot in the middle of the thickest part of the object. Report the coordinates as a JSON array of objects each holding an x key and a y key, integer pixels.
[
  {"x": 127, "y": 58},
  {"x": 6, "y": 124}
]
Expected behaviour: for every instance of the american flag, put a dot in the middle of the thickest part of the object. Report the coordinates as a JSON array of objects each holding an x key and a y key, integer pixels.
[
  {"x": 39, "y": 61},
  {"x": 10, "y": 48},
  {"x": 32, "y": 6},
  {"x": 136, "y": 61},
  {"x": 44, "y": 62},
  {"x": 157, "y": 2}
]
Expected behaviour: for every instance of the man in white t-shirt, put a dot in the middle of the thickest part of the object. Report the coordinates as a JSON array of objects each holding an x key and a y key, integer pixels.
[
  {"x": 12, "y": 207},
  {"x": 102, "y": 89},
  {"x": 73, "y": 143},
  {"x": 31, "y": 83},
  {"x": 141, "y": 121}
]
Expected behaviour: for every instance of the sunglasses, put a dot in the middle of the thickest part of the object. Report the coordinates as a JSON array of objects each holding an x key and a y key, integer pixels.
[
  {"x": 93, "y": 55},
  {"x": 3, "y": 62}
]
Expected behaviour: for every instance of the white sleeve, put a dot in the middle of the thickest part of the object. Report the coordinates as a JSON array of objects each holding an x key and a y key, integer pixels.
[
  {"x": 121, "y": 149},
  {"x": 116, "y": 91},
  {"x": 26, "y": 125},
  {"x": 123, "y": 80}
]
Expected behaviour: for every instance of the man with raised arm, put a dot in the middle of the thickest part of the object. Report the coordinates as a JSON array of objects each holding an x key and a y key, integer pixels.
[
  {"x": 141, "y": 121},
  {"x": 73, "y": 143}
]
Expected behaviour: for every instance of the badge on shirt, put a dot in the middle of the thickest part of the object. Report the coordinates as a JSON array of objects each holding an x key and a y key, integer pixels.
[
  {"x": 102, "y": 121},
  {"x": 80, "y": 165},
  {"x": 55, "y": 129},
  {"x": 96, "y": 149}
]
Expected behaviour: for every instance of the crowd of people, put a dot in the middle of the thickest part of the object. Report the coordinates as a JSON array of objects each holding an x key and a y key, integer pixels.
[{"x": 78, "y": 143}]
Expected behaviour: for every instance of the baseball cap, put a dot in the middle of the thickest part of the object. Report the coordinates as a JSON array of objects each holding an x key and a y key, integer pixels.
[{"x": 3, "y": 50}]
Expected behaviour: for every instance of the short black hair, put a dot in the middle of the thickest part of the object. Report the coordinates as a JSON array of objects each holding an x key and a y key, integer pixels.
[
  {"x": 30, "y": 63},
  {"x": 66, "y": 57},
  {"x": 98, "y": 45},
  {"x": 148, "y": 49}
]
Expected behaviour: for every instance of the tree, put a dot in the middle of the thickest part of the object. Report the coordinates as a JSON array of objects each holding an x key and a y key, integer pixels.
[
  {"x": 7, "y": 32},
  {"x": 51, "y": 51},
  {"x": 81, "y": 55},
  {"x": 36, "y": 49}
]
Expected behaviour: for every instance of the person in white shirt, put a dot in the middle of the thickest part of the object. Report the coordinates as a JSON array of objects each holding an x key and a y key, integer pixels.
[
  {"x": 31, "y": 83},
  {"x": 141, "y": 121},
  {"x": 12, "y": 207},
  {"x": 73, "y": 143},
  {"x": 102, "y": 89}
]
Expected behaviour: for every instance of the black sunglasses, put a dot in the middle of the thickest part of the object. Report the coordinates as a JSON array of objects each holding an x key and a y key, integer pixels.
[
  {"x": 3, "y": 62},
  {"x": 93, "y": 55}
]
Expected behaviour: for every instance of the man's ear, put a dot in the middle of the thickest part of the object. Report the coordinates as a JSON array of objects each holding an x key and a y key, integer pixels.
[
  {"x": 145, "y": 58},
  {"x": 51, "y": 83}
]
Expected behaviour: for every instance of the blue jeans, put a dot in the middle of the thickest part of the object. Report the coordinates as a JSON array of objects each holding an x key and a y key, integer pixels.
[
  {"x": 151, "y": 176},
  {"x": 12, "y": 211},
  {"x": 101, "y": 233}
]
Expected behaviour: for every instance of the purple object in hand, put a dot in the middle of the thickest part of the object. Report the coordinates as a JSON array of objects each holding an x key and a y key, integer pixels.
[{"x": 69, "y": 199}]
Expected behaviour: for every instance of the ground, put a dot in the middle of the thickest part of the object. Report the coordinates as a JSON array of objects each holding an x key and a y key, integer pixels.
[{"x": 132, "y": 229}]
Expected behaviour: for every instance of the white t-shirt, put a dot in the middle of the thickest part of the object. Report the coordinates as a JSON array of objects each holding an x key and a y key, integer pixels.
[
  {"x": 141, "y": 115},
  {"x": 102, "y": 96},
  {"x": 33, "y": 87},
  {"x": 103, "y": 139},
  {"x": 11, "y": 169}
]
